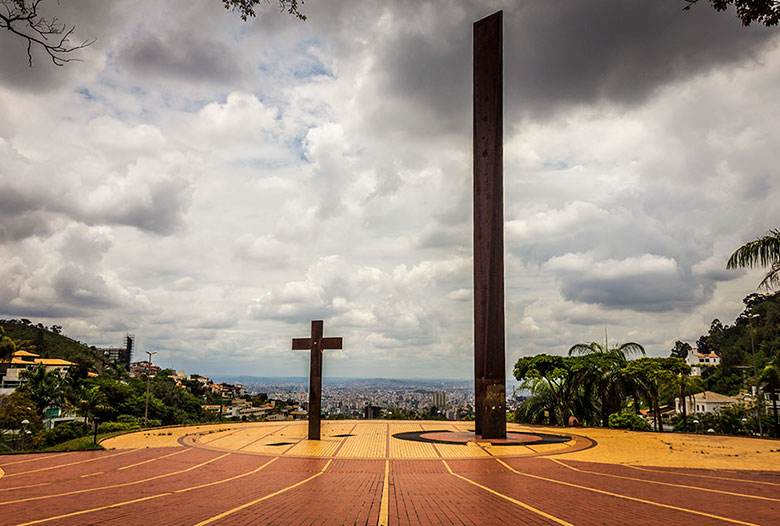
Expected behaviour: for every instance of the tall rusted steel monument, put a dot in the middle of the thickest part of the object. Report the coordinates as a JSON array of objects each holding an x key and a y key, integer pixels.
[
  {"x": 489, "y": 354},
  {"x": 316, "y": 343}
]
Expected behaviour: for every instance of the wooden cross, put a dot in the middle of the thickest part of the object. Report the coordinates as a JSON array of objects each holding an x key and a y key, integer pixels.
[{"x": 316, "y": 344}]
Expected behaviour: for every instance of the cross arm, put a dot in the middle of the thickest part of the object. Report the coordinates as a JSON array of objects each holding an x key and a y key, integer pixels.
[
  {"x": 301, "y": 344},
  {"x": 331, "y": 343}
]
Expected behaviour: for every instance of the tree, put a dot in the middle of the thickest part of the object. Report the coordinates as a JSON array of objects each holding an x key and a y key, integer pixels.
[
  {"x": 24, "y": 19},
  {"x": 7, "y": 348},
  {"x": 681, "y": 349},
  {"x": 605, "y": 374},
  {"x": 43, "y": 387},
  {"x": 16, "y": 407},
  {"x": 246, "y": 8},
  {"x": 651, "y": 375},
  {"x": 765, "y": 12},
  {"x": 764, "y": 252},
  {"x": 564, "y": 376},
  {"x": 770, "y": 378},
  {"x": 90, "y": 400}
]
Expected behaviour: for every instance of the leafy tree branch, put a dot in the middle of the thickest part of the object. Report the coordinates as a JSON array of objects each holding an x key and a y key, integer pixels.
[{"x": 765, "y": 12}]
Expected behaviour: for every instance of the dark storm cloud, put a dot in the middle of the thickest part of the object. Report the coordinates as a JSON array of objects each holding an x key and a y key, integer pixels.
[
  {"x": 185, "y": 57},
  {"x": 620, "y": 51},
  {"x": 615, "y": 51},
  {"x": 639, "y": 293}
]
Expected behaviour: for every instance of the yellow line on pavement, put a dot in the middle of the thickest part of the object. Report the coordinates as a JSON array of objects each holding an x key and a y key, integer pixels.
[
  {"x": 702, "y": 476},
  {"x": 72, "y": 463},
  {"x": 76, "y": 492},
  {"x": 156, "y": 458},
  {"x": 510, "y": 499},
  {"x": 252, "y": 503},
  {"x": 665, "y": 483},
  {"x": 41, "y": 457},
  {"x": 93, "y": 474},
  {"x": 81, "y": 512},
  {"x": 383, "y": 511},
  {"x": 27, "y": 486},
  {"x": 167, "y": 493},
  {"x": 635, "y": 499},
  {"x": 234, "y": 477}
]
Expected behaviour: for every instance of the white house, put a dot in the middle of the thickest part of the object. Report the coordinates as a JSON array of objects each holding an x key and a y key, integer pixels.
[
  {"x": 704, "y": 402},
  {"x": 698, "y": 360}
]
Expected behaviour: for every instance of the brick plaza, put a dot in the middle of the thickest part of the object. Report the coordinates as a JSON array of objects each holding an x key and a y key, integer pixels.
[{"x": 268, "y": 473}]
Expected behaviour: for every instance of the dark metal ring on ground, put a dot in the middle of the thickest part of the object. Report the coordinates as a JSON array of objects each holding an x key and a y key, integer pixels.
[{"x": 444, "y": 436}]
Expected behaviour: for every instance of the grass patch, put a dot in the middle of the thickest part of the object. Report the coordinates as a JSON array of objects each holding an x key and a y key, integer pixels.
[{"x": 80, "y": 444}]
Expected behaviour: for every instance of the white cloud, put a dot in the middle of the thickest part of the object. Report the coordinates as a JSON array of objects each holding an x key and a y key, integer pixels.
[{"x": 213, "y": 185}]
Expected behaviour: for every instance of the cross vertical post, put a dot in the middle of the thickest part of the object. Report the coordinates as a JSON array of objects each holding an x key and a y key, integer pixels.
[
  {"x": 316, "y": 344},
  {"x": 489, "y": 352}
]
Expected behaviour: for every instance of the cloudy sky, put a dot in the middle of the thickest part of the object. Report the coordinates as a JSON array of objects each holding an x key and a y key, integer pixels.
[{"x": 211, "y": 185}]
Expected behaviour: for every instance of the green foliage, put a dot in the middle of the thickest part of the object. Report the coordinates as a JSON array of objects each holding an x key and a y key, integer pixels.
[
  {"x": 397, "y": 413},
  {"x": 628, "y": 420},
  {"x": 736, "y": 419},
  {"x": 761, "y": 252},
  {"x": 733, "y": 344},
  {"x": 16, "y": 407},
  {"x": 64, "y": 432},
  {"x": 570, "y": 380},
  {"x": 765, "y": 12},
  {"x": 337, "y": 416},
  {"x": 48, "y": 342},
  {"x": 43, "y": 387},
  {"x": 681, "y": 349},
  {"x": 84, "y": 443},
  {"x": 246, "y": 8},
  {"x": 115, "y": 427}
]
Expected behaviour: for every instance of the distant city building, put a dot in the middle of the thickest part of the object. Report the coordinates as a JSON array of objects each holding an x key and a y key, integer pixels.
[
  {"x": 372, "y": 412},
  {"x": 144, "y": 367},
  {"x": 440, "y": 399},
  {"x": 120, "y": 355}
]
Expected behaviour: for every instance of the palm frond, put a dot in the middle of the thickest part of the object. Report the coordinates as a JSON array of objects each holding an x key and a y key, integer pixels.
[
  {"x": 772, "y": 278},
  {"x": 630, "y": 348},
  {"x": 764, "y": 251},
  {"x": 586, "y": 348}
]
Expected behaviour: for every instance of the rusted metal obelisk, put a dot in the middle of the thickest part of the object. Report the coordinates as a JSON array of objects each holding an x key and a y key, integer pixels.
[
  {"x": 316, "y": 343},
  {"x": 489, "y": 359}
]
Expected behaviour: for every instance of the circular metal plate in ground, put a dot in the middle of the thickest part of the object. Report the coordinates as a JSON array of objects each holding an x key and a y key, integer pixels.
[{"x": 444, "y": 436}]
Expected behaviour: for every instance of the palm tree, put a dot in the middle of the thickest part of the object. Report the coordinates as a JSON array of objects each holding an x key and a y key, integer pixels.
[
  {"x": 622, "y": 351},
  {"x": 44, "y": 387},
  {"x": 606, "y": 377},
  {"x": 91, "y": 399},
  {"x": 763, "y": 252}
]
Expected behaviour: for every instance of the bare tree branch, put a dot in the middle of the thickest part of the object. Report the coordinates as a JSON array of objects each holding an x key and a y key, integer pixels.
[{"x": 22, "y": 18}]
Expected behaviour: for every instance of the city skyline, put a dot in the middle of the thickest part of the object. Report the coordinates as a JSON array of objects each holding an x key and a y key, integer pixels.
[{"x": 212, "y": 185}]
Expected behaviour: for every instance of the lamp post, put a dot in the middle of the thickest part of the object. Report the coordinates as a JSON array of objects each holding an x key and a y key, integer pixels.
[
  {"x": 95, "y": 424},
  {"x": 146, "y": 411},
  {"x": 25, "y": 422},
  {"x": 759, "y": 402}
]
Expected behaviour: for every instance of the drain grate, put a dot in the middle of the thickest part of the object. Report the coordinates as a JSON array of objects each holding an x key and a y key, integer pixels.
[
  {"x": 344, "y": 435},
  {"x": 281, "y": 444}
]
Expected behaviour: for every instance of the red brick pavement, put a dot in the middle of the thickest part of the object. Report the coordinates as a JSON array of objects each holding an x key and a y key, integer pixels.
[{"x": 421, "y": 492}]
